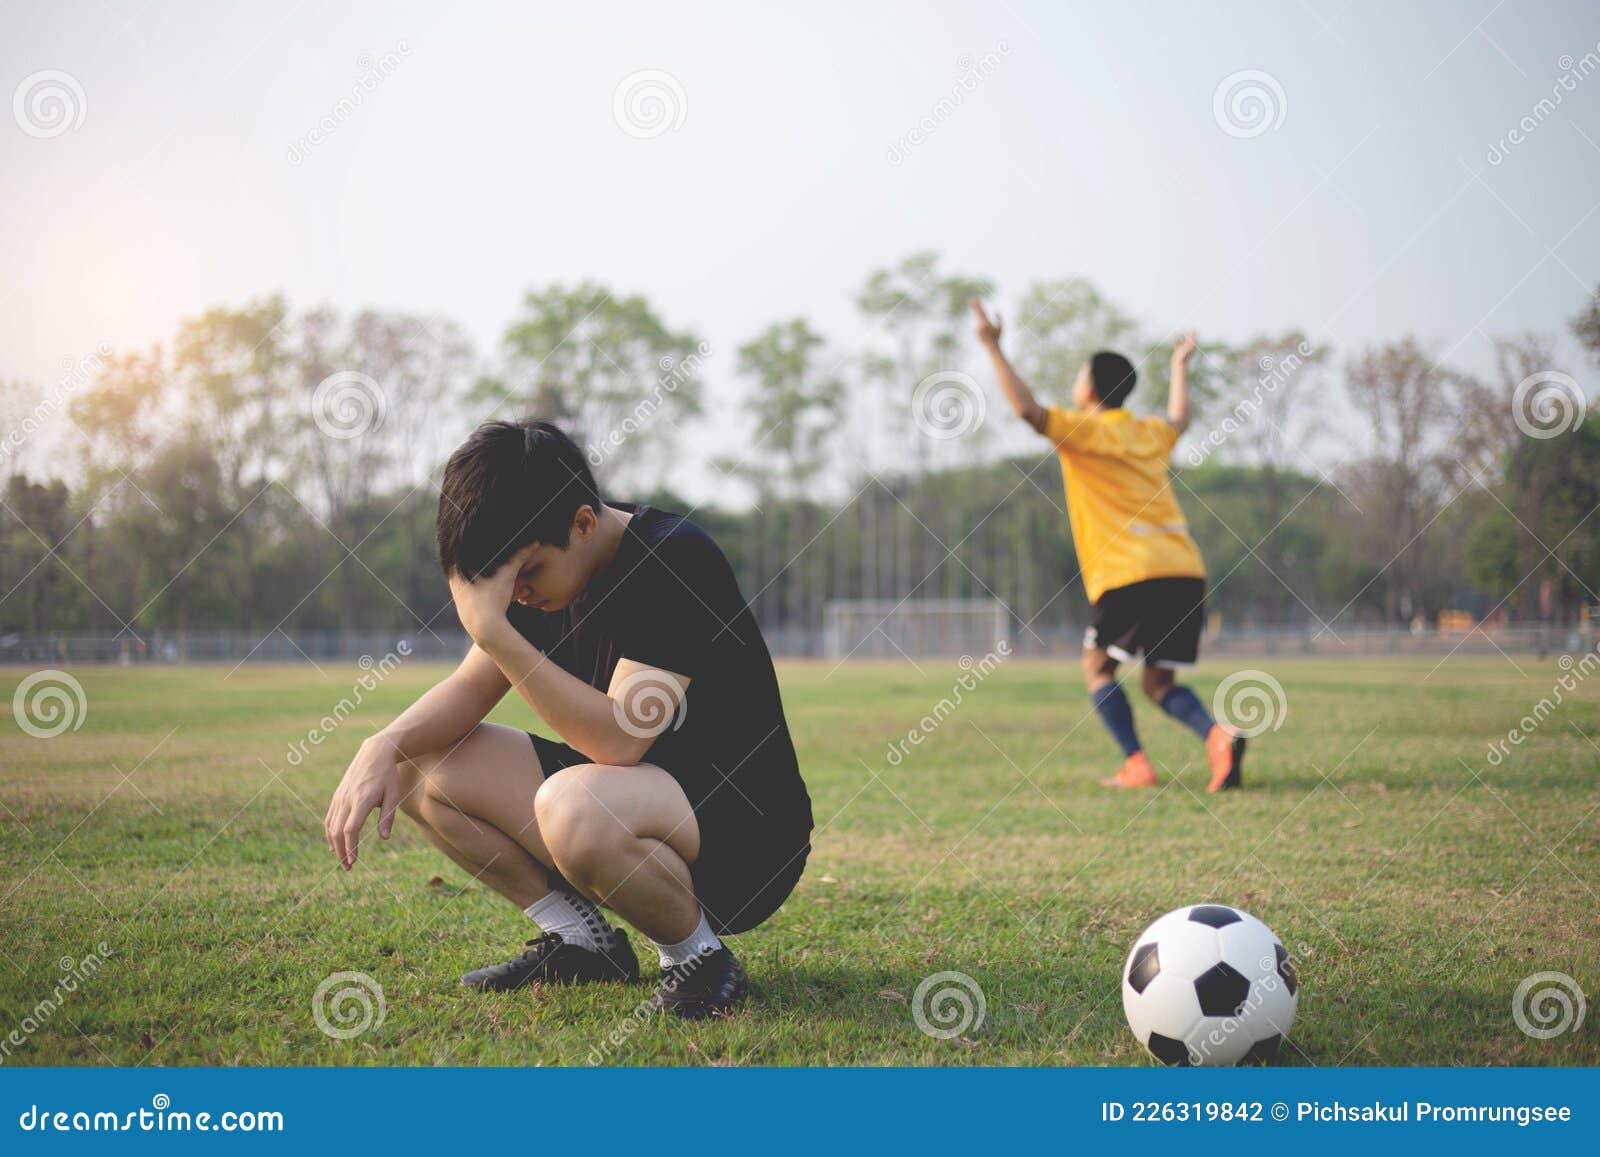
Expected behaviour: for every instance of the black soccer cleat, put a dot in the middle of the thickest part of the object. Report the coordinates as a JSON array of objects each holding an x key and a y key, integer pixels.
[
  {"x": 551, "y": 960},
  {"x": 710, "y": 985}
]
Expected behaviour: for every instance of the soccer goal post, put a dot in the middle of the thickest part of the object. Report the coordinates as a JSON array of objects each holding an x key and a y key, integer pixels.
[{"x": 899, "y": 628}]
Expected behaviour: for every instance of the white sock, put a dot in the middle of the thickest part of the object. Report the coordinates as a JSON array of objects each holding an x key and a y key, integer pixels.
[
  {"x": 699, "y": 942},
  {"x": 574, "y": 919}
]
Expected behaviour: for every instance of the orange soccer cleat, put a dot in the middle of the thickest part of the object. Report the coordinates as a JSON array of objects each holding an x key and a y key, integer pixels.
[
  {"x": 1225, "y": 751},
  {"x": 1136, "y": 772}
]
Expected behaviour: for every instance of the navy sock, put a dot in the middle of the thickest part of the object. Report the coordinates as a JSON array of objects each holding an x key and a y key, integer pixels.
[
  {"x": 1117, "y": 714},
  {"x": 1185, "y": 706}
]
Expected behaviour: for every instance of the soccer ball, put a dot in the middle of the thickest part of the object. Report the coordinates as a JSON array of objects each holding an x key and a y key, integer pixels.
[{"x": 1209, "y": 985}]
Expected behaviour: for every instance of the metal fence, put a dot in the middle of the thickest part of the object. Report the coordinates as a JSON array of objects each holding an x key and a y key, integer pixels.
[
  {"x": 1350, "y": 642},
  {"x": 888, "y": 628},
  {"x": 231, "y": 647},
  {"x": 234, "y": 647}
]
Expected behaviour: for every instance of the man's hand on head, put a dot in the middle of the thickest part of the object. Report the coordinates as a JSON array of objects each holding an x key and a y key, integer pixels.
[{"x": 482, "y": 603}]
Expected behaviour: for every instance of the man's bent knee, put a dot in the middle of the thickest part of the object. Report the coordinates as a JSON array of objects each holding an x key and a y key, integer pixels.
[
  {"x": 581, "y": 833},
  {"x": 425, "y": 778},
  {"x": 1098, "y": 666},
  {"x": 1156, "y": 682}
]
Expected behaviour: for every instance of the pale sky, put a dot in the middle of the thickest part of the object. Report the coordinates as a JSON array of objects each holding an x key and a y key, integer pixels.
[{"x": 490, "y": 159}]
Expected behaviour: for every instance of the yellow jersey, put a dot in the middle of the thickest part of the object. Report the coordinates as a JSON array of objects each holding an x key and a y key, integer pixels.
[{"x": 1126, "y": 524}]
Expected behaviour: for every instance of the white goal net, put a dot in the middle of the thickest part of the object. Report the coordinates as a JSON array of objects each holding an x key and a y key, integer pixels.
[{"x": 899, "y": 628}]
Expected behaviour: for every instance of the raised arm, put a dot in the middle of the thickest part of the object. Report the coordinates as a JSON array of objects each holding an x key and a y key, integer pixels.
[
  {"x": 1178, "y": 397},
  {"x": 1011, "y": 384}
]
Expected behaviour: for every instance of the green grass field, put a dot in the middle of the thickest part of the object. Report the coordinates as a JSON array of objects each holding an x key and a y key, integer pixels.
[{"x": 1415, "y": 883}]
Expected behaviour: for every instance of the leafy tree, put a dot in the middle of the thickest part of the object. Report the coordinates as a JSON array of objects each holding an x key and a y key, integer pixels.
[
  {"x": 1554, "y": 486},
  {"x": 921, "y": 312},
  {"x": 795, "y": 406},
  {"x": 36, "y": 520},
  {"x": 1059, "y": 326},
  {"x": 376, "y": 399},
  {"x": 1062, "y": 323},
  {"x": 1272, "y": 415},
  {"x": 1491, "y": 555},
  {"x": 608, "y": 369},
  {"x": 918, "y": 316},
  {"x": 1414, "y": 408},
  {"x": 1586, "y": 325}
]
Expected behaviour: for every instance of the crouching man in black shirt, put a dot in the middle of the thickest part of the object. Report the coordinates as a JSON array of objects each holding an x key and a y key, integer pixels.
[{"x": 669, "y": 793}]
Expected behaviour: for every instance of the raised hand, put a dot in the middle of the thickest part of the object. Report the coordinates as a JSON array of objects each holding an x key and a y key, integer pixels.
[
  {"x": 1183, "y": 349},
  {"x": 988, "y": 331}
]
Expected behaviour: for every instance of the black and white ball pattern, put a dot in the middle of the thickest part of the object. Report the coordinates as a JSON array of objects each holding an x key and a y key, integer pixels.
[{"x": 1209, "y": 985}]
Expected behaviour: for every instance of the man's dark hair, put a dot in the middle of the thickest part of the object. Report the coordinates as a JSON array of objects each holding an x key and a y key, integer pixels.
[
  {"x": 510, "y": 484},
  {"x": 1112, "y": 376}
]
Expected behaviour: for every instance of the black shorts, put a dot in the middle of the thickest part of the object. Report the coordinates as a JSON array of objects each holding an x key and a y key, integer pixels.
[
  {"x": 1159, "y": 619},
  {"x": 742, "y": 875}
]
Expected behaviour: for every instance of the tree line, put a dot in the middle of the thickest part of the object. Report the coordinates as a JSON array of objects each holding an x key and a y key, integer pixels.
[{"x": 270, "y": 468}]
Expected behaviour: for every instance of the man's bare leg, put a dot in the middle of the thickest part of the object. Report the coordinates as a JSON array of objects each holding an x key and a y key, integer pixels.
[
  {"x": 621, "y": 836},
  {"x": 474, "y": 802},
  {"x": 625, "y": 837},
  {"x": 1099, "y": 668}
]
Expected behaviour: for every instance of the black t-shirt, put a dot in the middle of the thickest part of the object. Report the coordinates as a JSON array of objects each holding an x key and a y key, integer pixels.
[{"x": 669, "y": 599}]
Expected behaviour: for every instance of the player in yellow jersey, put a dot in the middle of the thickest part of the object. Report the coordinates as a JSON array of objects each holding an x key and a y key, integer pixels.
[{"x": 1141, "y": 570}]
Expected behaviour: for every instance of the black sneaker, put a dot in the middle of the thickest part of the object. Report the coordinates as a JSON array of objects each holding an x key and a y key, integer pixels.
[
  {"x": 709, "y": 985},
  {"x": 551, "y": 960}
]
